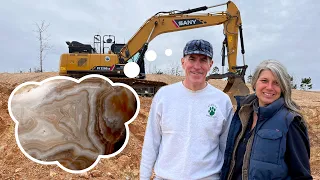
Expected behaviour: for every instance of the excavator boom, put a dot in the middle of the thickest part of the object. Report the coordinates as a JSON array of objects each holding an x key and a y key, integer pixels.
[
  {"x": 165, "y": 22},
  {"x": 161, "y": 24}
]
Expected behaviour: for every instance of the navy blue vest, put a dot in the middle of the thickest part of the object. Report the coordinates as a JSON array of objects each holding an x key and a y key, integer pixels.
[{"x": 269, "y": 145}]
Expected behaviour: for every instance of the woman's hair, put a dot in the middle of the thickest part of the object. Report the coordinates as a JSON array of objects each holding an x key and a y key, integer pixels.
[{"x": 283, "y": 78}]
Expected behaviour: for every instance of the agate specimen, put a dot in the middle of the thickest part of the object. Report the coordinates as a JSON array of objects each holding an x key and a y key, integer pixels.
[{"x": 70, "y": 122}]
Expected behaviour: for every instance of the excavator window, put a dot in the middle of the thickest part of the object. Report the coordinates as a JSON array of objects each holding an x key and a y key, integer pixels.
[{"x": 115, "y": 48}]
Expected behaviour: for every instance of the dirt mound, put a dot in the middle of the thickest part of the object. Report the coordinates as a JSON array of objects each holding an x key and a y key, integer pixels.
[{"x": 126, "y": 164}]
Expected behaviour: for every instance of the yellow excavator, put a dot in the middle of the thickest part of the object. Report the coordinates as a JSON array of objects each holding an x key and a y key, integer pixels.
[{"x": 84, "y": 59}]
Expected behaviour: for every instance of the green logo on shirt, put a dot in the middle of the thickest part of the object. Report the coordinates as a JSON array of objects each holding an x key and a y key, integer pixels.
[{"x": 212, "y": 110}]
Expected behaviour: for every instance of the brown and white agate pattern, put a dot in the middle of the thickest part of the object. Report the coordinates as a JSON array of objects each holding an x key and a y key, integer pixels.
[{"x": 72, "y": 123}]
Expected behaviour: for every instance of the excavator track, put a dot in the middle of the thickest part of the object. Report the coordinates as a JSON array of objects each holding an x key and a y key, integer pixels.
[{"x": 142, "y": 87}]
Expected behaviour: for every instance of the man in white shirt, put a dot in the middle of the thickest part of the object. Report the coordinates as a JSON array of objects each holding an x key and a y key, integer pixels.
[{"x": 188, "y": 123}]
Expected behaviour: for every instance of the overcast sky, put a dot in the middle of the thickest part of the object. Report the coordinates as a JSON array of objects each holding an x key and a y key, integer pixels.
[{"x": 285, "y": 30}]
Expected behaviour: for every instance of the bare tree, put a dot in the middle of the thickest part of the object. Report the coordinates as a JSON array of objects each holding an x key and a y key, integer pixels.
[
  {"x": 175, "y": 69},
  {"x": 43, "y": 39}
]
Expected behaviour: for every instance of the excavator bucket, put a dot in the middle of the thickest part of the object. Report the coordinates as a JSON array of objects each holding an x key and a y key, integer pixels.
[{"x": 236, "y": 87}]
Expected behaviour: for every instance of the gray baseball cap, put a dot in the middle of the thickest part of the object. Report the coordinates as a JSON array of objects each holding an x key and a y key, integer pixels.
[{"x": 198, "y": 46}]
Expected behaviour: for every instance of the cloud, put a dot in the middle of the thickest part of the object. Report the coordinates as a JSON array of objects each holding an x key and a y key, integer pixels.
[{"x": 72, "y": 123}]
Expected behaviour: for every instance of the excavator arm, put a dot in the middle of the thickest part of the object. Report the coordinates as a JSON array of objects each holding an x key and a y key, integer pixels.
[{"x": 165, "y": 22}]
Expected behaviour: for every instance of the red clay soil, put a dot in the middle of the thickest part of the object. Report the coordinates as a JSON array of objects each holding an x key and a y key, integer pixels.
[{"x": 14, "y": 165}]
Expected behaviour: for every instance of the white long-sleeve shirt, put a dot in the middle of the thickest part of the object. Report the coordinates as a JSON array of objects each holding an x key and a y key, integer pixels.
[{"x": 186, "y": 133}]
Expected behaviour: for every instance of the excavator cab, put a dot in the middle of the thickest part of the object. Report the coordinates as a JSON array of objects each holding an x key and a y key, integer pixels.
[{"x": 115, "y": 48}]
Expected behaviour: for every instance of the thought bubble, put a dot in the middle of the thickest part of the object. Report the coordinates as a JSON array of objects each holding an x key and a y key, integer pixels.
[
  {"x": 131, "y": 69},
  {"x": 151, "y": 55},
  {"x": 168, "y": 52},
  {"x": 72, "y": 123}
]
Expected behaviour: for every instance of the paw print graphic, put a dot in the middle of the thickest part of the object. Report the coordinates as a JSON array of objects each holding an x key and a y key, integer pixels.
[{"x": 212, "y": 110}]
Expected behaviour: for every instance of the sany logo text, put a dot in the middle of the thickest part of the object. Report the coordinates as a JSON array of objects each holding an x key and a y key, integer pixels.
[{"x": 186, "y": 22}]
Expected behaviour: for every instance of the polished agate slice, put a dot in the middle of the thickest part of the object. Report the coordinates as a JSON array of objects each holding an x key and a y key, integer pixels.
[{"x": 72, "y": 123}]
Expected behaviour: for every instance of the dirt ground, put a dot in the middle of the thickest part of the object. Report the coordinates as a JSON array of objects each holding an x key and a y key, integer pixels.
[{"x": 14, "y": 165}]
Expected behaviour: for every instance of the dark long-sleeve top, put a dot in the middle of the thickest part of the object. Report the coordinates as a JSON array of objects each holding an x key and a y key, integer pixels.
[
  {"x": 297, "y": 154},
  {"x": 298, "y": 151}
]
